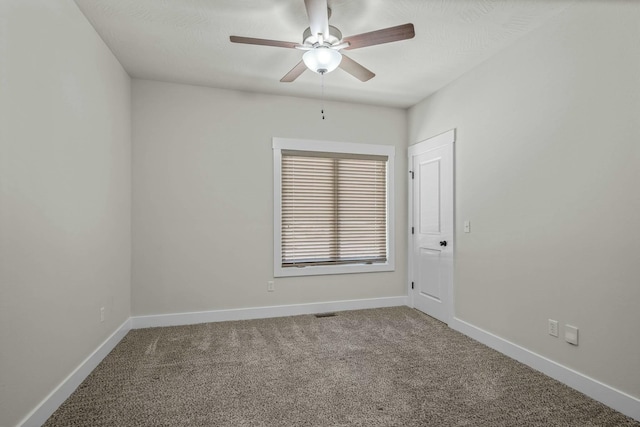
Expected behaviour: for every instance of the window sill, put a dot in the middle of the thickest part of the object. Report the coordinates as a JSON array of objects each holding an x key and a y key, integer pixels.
[{"x": 322, "y": 270}]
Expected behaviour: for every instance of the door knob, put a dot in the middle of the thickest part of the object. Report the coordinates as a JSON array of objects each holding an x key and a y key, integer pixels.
[{"x": 443, "y": 243}]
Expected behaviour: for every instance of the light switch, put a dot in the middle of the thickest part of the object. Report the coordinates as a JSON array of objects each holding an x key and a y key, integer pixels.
[
  {"x": 467, "y": 226},
  {"x": 553, "y": 328},
  {"x": 571, "y": 334}
]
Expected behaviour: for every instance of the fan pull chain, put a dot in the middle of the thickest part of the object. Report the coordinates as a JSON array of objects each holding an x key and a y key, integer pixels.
[{"x": 322, "y": 97}]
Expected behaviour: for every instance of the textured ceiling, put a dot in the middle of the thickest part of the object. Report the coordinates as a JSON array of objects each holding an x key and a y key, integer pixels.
[{"x": 187, "y": 41}]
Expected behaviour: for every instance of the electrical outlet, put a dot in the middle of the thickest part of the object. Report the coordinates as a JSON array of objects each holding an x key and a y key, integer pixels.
[
  {"x": 553, "y": 328},
  {"x": 102, "y": 314},
  {"x": 270, "y": 286}
]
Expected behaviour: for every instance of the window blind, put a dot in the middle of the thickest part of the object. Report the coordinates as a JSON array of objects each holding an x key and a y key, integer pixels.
[{"x": 334, "y": 209}]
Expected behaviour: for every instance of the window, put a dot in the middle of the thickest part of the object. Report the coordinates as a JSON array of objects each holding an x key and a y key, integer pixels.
[{"x": 333, "y": 207}]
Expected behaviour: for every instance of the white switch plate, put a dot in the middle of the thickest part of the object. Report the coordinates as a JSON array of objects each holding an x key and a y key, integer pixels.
[
  {"x": 571, "y": 334},
  {"x": 553, "y": 328},
  {"x": 270, "y": 286},
  {"x": 102, "y": 314},
  {"x": 467, "y": 226}
]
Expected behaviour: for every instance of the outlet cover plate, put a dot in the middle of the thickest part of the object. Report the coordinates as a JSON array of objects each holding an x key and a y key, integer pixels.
[{"x": 571, "y": 334}]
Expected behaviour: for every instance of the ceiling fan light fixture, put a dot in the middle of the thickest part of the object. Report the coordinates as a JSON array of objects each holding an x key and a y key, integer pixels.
[{"x": 322, "y": 59}]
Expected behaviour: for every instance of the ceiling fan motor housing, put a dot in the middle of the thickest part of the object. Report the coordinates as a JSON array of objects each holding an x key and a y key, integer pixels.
[{"x": 334, "y": 36}]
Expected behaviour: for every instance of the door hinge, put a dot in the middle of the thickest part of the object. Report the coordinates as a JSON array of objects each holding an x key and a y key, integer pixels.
[
  {"x": 412, "y": 285},
  {"x": 411, "y": 172},
  {"x": 412, "y": 230}
]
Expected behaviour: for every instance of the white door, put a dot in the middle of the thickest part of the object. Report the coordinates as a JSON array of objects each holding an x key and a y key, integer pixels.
[{"x": 431, "y": 226}]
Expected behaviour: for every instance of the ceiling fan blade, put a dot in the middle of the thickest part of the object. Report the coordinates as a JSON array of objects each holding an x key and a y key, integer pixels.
[
  {"x": 294, "y": 73},
  {"x": 318, "y": 17},
  {"x": 355, "y": 69},
  {"x": 262, "y": 42},
  {"x": 387, "y": 35}
]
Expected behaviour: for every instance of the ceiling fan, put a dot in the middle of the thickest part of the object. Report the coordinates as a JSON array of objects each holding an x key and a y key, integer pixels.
[{"x": 323, "y": 43}]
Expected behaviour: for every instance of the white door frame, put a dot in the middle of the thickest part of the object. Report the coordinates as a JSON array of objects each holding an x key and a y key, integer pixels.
[{"x": 445, "y": 138}]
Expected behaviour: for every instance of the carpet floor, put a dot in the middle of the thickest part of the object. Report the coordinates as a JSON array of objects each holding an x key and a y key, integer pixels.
[{"x": 381, "y": 367}]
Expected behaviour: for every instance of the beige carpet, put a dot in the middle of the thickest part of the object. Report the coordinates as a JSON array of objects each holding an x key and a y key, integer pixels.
[{"x": 383, "y": 367}]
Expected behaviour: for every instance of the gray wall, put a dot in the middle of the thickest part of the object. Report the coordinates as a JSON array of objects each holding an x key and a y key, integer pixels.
[
  {"x": 548, "y": 167},
  {"x": 65, "y": 198},
  {"x": 203, "y": 196}
]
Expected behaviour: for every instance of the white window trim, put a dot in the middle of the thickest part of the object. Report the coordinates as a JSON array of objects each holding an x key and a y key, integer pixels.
[{"x": 280, "y": 144}]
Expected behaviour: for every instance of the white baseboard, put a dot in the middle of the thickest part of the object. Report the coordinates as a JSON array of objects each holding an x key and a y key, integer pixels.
[
  {"x": 177, "y": 319},
  {"x": 48, "y": 406},
  {"x": 616, "y": 399}
]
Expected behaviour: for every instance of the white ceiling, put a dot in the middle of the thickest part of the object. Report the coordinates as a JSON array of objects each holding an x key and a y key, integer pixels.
[{"x": 187, "y": 41}]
